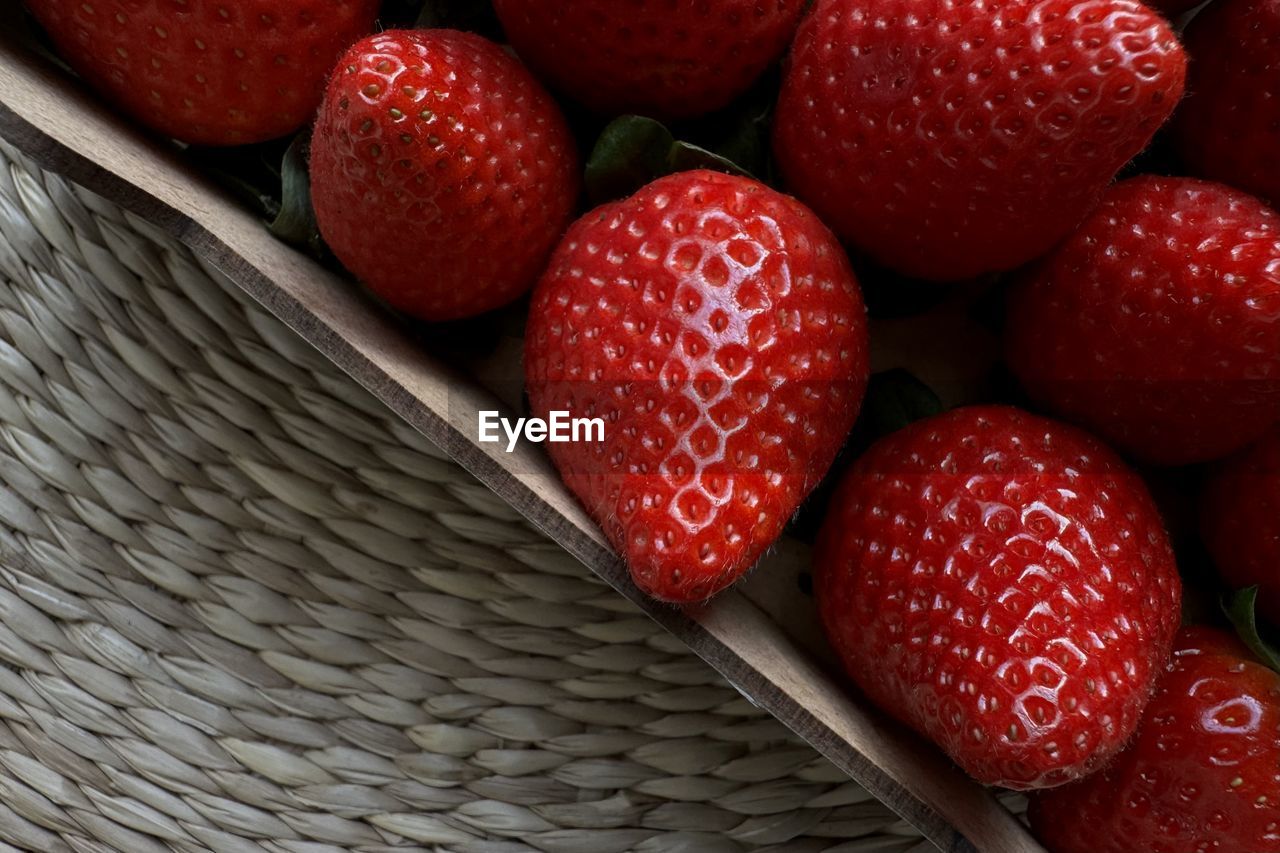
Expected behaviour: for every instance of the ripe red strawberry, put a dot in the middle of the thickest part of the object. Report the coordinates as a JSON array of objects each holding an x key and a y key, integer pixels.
[
  {"x": 1201, "y": 773},
  {"x": 1157, "y": 323},
  {"x": 210, "y": 72},
  {"x": 717, "y": 327},
  {"x": 662, "y": 58},
  {"x": 441, "y": 172},
  {"x": 952, "y": 139},
  {"x": 1229, "y": 128},
  {"x": 1003, "y": 583},
  {"x": 1242, "y": 521}
]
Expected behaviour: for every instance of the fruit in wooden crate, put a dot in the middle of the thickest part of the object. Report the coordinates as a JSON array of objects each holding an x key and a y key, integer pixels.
[
  {"x": 948, "y": 140},
  {"x": 208, "y": 71},
  {"x": 1004, "y": 584},
  {"x": 1229, "y": 127},
  {"x": 441, "y": 172},
  {"x": 1157, "y": 323},
  {"x": 1241, "y": 521},
  {"x": 1199, "y": 775},
  {"x": 652, "y": 57},
  {"x": 717, "y": 328}
]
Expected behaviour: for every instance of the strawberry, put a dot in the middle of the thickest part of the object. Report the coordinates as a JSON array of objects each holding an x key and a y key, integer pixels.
[
  {"x": 1157, "y": 323},
  {"x": 1004, "y": 584},
  {"x": 1229, "y": 128},
  {"x": 441, "y": 172},
  {"x": 209, "y": 72},
  {"x": 1241, "y": 521},
  {"x": 952, "y": 139},
  {"x": 661, "y": 58},
  {"x": 717, "y": 328},
  {"x": 1200, "y": 775}
]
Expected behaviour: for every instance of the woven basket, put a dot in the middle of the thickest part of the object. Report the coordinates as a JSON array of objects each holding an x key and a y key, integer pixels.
[{"x": 243, "y": 608}]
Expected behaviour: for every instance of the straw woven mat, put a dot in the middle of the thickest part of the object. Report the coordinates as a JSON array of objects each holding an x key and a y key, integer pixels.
[{"x": 243, "y": 608}]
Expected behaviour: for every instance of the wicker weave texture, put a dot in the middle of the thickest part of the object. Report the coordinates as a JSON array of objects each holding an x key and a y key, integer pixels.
[{"x": 243, "y": 608}]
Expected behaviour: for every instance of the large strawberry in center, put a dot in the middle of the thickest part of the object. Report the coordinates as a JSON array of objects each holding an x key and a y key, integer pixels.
[
  {"x": 717, "y": 328},
  {"x": 951, "y": 138}
]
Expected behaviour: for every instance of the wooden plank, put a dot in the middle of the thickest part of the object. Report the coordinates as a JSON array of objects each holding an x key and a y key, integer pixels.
[{"x": 779, "y": 666}]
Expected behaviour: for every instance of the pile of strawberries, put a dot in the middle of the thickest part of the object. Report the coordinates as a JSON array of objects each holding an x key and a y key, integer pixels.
[{"x": 999, "y": 580}]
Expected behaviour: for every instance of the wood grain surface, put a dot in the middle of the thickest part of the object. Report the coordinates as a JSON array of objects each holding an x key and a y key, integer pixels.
[{"x": 760, "y": 636}]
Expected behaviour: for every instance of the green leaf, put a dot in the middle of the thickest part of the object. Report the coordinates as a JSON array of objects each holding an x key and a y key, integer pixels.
[
  {"x": 1242, "y": 609},
  {"x": 896, "y": 398},
  {"x": 634, "y": 150},
  {"x": 296, "y": 222},
  {"x": 630, "y": 152},
  {"x": 685, "y": 156},
  {"x": 740, "y": 132}
]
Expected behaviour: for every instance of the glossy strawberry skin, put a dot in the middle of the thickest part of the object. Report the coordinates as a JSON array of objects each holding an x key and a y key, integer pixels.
[
  {"x": 952, "y": 139},
  {"x": 442, "y": 174},
  {"x": 207, "y": 71},
  {"x": 1241, "y": 521},
  {"x": 1200, "y": 774},
  {"x": 717, "y": 327},
  {"x": 1157, "y": 323},
  {"x": 662, "y": 58},
  {"x": 1004, "y": 584},
  {"x": 1229, "y": 128}
]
